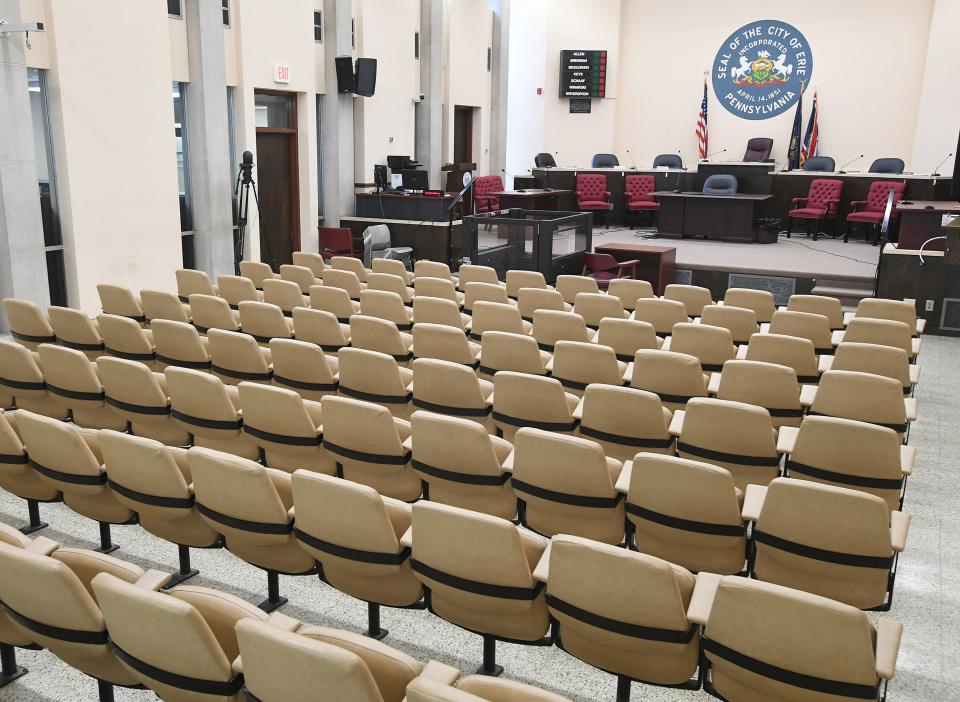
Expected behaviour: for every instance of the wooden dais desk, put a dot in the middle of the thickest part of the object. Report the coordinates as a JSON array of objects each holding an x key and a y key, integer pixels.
[
  {"x": 657, "y": 263},
  {"x": 922, "y": 220},
  {"x": 530, "y": 199},
  {"x": 716, "y": 216}
]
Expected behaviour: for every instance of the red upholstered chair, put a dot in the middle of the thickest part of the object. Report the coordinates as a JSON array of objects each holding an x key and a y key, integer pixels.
[
  {"x": 871, "y": 210},
  {"x": 603, "y": 268},
  {"x": 637, "y": 189},
  {"x": 335, "y": 241},
  {"x": 820, "y": 204},
  {"x": 592, "y": 194},
  {"x": 482, "y": 200}
]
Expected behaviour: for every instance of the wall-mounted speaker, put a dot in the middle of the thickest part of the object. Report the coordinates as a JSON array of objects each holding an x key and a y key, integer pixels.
[
  {"x": 345, "y": 79},
  {"x": 365, "y": 83}
]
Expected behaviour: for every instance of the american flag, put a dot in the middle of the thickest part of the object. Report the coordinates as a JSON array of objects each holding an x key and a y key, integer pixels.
[
  {"x": 702, "y": 124},
  {"x": 811, "y": 139}
]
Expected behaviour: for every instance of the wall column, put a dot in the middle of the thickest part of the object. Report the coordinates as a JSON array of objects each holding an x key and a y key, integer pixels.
[
  {"x": 211, "y": 182},
  {"x": 338, "y": 165},
  {"x": 429, "y": 112},
  {"x": 500, "y": 62},
  {"x": 23, "y": 265}
]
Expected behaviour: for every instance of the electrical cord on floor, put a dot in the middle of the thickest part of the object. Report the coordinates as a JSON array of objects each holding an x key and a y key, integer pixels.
[{"x": 783, "y": 238}]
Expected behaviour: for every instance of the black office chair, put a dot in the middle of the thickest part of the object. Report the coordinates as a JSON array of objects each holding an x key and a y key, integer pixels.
[
  {"x": 668, "y": 160},
  {"x": 605, "y": 161},
  {"x": 887, "y": 165},
  {"x": 758, "y": 149},
  {"x": 720, "y": 184},
  {"x": 820, "y": 164},
  {"x": 544, "y": 160}
]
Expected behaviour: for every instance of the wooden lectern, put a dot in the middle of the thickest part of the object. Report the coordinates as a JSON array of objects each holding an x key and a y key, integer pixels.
[{"x": 454, "y": 182}]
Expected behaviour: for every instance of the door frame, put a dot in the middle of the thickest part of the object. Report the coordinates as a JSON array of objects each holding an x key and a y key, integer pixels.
[
  {"x": 294, "y": 159},
  {"x": 470, "y": 110}
]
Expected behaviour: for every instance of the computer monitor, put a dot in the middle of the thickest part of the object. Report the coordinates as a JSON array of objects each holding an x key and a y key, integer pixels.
[
  {"x": 414, "y": 179},
  {"x": 380, "y": 178}
]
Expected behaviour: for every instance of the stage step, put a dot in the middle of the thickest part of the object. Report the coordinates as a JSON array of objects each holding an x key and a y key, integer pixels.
[{"x": 849, "y": 292}]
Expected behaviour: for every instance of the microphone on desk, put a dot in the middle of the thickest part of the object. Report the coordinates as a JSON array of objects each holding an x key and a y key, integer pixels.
[
  {"x": 714, "y": 153},
  {"x": 856, "y": 158},
  {"x": 634, "y": 166},
  {"x": 683, "y": 167},
  {"x": 519, "y": 190},
  {"x": 936, "y": 168},
  {"x": 545, "y": 185},
  {"x": 921, "y": 191}
]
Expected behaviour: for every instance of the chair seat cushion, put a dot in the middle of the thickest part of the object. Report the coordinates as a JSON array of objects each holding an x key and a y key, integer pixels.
[
  {"x": 594, "y": 205},
  {"x": 809, "y": 212},
  {"x": 872, "y": 217},
  {"x": 644, "y": 205}
]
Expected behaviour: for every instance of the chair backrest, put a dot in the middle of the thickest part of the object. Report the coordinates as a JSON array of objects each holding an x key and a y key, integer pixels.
[
  {"x": 570, "y": 285},
  {"x": 257, "y": 271},
  {"x": 376, "y": 238},
  {"x": 342, "y": 278},
  {"x": 280, "y": 420},
  {"x": 626, "y": 336},
  {"x": 544, "y": 160},
  {"x": 211, "y": 312},
  {"x": 896, "y": 310},
  {"x": 624, "y": 420},
  {"x": 236, "y": 288},
  {"x": 550, "y": 326},
  {"x": 28, "y": 324},
  {"x": 767, "y": 385},
  {"x": 487, "y": 184},
  {"x": 159, "y": 304},
  {"x": 712, "y": 345},
  {"x": 594, "y": 307},
  {"x": 885, "y": 332},
  {"x": 820, "y": 164},
  {"x": 887, "y": 165},
  {"x": 442, "y": 341},
  {"x": 321, "y": 328},
  {"x": 676, "y": 377},
  {"x": 75, "y": 330},
  {"x": 335, "y": 240},
  {"x": 639, "y": 187},
  {"x": 332, "y": 299},
  {"x": 358, "y": 425},
  {"x": 443, "y": 288},
  {"x": 720, "y": 184},
  {"x": 663, "y": 314},
  {"x": 888, "y": 361},
  {"x": 302, "y": 366},
  {"x": 132, "y": 390},
  {"x": 829, "y": 307},
  {"x": 758, "y": 149},
  {"x": 62, "y": 447},
  {"x": 503, "y": 351},
  {"x": 191, "y": 281},
  {"x": 437, "y": 310},
  {"x": 629, "y": 290},
  {"x": 426, "y": 268},
  {"x": 124, "y": 337},
  {"x": 488, "y": 292},
  {"x": 237, "y": 356},
  {"x": 308, "y": 259},
  {"x": 118, "y": 300},
  {"x": 693, "y": 297},
  {"x": 668, "y": 161},
  {"x": 577, "y": 364},
  {"x": 741, "y": 322},
  {"x": 179, "y": 344},
  {"x": 791, "y": 351},
  {"x": 591, "y": 187},
  {"x": 469, "y": 273},
  {"x": 521, "y": 399},
  {"x": 22, "y": 382},
  {"x": 349, "y": 263},
  {"x": 388, "y": 282},
  {"x": 495, "y": 316},
  {"x": 604, "y": 161},
  {"x": 862, "y": 396},
  {"x": 760, "y": 301},
  {"x": 285, "y": 294},
  {"x": 806, "y": 325},
  {"x": 529, "y": 300},
  {"x": 71, "y": 377},
  {"x": 264, "y": 321},
  {"x": 375, "y": 334},
  {"x": 824, "y": 192},
  {"x": 371, "y": 373},
  {"x": 392, "y": 266},
  {"x": 517, "y": 279},
  {"x": 383, "y": 304},
  {"x": 199, "y": 399},
  {"x": 879, "y": 193},
  {"x": 449, "y": 388}
]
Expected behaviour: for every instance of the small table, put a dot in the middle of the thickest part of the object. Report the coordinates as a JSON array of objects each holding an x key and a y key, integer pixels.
[
  {"x": 530, "y": 199},
  {"x": 922, "y": 220},
  {"x": 717, "y": 216},
  {"x": 656, "y": 263}
]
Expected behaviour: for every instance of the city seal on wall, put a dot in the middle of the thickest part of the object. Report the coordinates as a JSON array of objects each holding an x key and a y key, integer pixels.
[{"x": 761, "y": 69}]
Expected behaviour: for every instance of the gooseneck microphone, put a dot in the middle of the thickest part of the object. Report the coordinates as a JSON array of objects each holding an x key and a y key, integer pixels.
[
  {"x": 683, "y": 166},
  {"x": 855, "y": 158},
  {"x": 544, "y": 185},
  {"x": 519, "y": 190},
  {"x": 936, "y": 168},
  {"x": 714, "y": 153},
  {"x": 634, "y": 166}
]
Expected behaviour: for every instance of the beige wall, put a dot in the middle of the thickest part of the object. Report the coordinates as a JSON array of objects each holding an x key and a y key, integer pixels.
[
  {"x": 179, "y": 60},
  {"x": 38, "y": 56},
  {"x": 939, "y": 113}
]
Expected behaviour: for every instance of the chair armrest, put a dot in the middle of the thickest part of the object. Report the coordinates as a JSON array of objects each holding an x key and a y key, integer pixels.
[
  {"x": 578, "y": 410},
  {"x": 628, "y": 373},
  {"x": 808, "y": 393},
  {"x": 283, "y": 621},
  {"x": 856, "y": 204},
  {"x": 607, "y": 194},
  {"x": 787, "y": 439},
  {"x": 899, "y": 526},
  {"x": 714, "y": 385},
  {"x": 666, "y": 344},
  {"x": 407, "y": 539},
  {"x": 907, "y": 456},
  {"x": 153, "y": 580},
  {"x": 440, "y": 672},
  {"x": 847, "y": 316},
  {"x": 910, "y": 408},
  {"x": 921, "y": 325},
  {"x": 830, "y": 206},
  {"x": 623, "y": 480},
  {"x": 676, "y": 424},
  {"x": 507, "y": 466},
  {"x": 798, "y": 200},
  {"x": 824, "y": 363},
  {"x": 836, "y": 337},
  {"x": 704, "y": 592},
  {"x": 628, "y": 264},
  {"x": 915, "y": 345},
  {"x": 742, "y": 352},
  {"x": 542, "y": 571},
  {"x": 753, "y": 502},
  {"x": 765, "y": 328},
  {"x": 42, "y": 546},
  {"x": 914, "y": 370},
  {"x": 889, "y": 632}
]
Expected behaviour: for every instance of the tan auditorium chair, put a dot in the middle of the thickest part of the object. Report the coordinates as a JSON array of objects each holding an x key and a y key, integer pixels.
[
  {"x": 629, "y": 290},
  {"x": 453, "y": 389},
  {"x": 469, "y": 273},
  {"x": 321, "y": 328},
  {"x": 631, "y": 622},
  {"x": 18, "y": 477},
  {"x": 461, "y": 464},
  {"x": 303, "y": 276},
  {"x": 712, "y": 345},
  {"x": 191, "y": 654},
  {"x": 73, "y": 380},
  {"x": 370, "y": 445},
  {"x": 848, "y": 453},
  {"x": 496, "y": 316},
  {"x": 522, "y": 400},
  {"x": 22, "y": 383},
  {"x": 887, "y": 361},
  {"x": 424, "y": 268},
  {"x": 663, "y": 314},
  {"x": 789, "y": 351},
  {"x": 192, "y": 282},
  {"x": 236, "y": 289},
  {"x": 491, "y": 593},
  {"x": 624, "y": 421},
  {"x": 767, "y": 642},
  {"x": 383, "y": 304},
  {"x": 154, "y": 481},
  {"x": 47, "y": 596},
  {"x": 566, "y": 486},
  {"x": 578, "y": 364},
  {"x": 862, "y": 396},
  {"x": 354, "y": 533},
  {"x": 473, "y": 688},
  {"x": 768, "y": 385},
  {"x": 529, "y": 300},
  {"x": 732, "y": 435},
  {"x": 437, "y": 310},
  {"x": 594, "y": 307},
  {"x": 258, "y": 272},
  {"x": 436, "y": 287},
  {"x": 626, "y": 337},
  {"x": 348, "y": 281},
  {"x": 124, "y": 338},
  {"x": 382, "y": 336},
  {"x": 675, "y": 377},
  {"x": 265, "y": 321},
  {"x": 829, "y": 307},
  {"x": 287, "y": 429},
  {"x": 884, "y": 332},
  {"x": 693, "y": 297},
  {"x": 75, "y": 330},
  {"x": 806, "y": 325},
  {"x": 311, "y": 260},
  {"x": 29, "y": 325},
  {"x": 897, "y": 310},
  {"x": 138, "y": 395},
  {"x": 304, "y": 368},
  {"x": 210, "y": 312},
  {"x": 484, "y": 292},
  {"x": 551, "y": 326},
  {"x": 569, "y": 285},
  {"x": 848, "y": 553},
  {"x": 237, "y": 357},
  {"x": 335, "y": 300},
  {"x": 503, "y": 351},
  {"x": 285, "y": 294},
  {"x": 387, "y": 282},
  {"x": 351, "y": 264},
  {"x": 517, "y": 279},
  {"x": 251, "y": 506},
  {"x": 686, "y": 512},
  {"x": 444, "y": 342},
  {"x": 760, "y": 301},
  {"x": 376, "y": 377},
  {"x": 120, "y": 301},
  {"x": 394, "y": 267},
  {"x": 180, "y": 344},
  {"x": 741, "y": 321}
]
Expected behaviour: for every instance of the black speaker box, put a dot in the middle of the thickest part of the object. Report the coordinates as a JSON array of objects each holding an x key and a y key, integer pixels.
[
  {"x": 345, "y": 79},
  {"x": 366, "y": 77}
]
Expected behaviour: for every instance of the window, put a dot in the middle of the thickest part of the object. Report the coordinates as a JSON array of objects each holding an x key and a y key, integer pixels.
[
  {"x": 416, "y": 45},
  {"x": 318, "y": 26},
  {"x": 353, "y": 32},
  {"x": 173, "y": 8},
  {"x": 273, "y": 111},
  {"x": 489, "y": 58},
  {"x": 183, "y": 171},
  {"x": 320, "y": 159},
  {"x": 225, "y": 4}
]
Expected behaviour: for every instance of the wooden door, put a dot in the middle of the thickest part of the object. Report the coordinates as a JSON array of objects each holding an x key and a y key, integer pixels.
[
  {"x": 279, "y": 233},
  {"x": 462, "y": 134}
]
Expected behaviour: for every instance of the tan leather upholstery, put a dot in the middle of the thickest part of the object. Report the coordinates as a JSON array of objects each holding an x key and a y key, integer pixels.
[
  {"x": 300, "y": 274},
  {"x": 686, "y": 512},
  {"x": 382, "y": 336},
  {"x": 862, "y": 396},
  {"x": 211, "y": 312},
  {"x": 22, "y": 382},
  {"x": 760, "y": 301},
  {"x": 624, "y": 421},
  {"x": 369, "y": 444},
  {"x": 477, "y": 688},
  {"x": 462, "y": 464},
  {"x": 569, "y": 285},
  {"x": 17, "y": 476},
  {"x": 179, "y": 344},
  {"x": 257, "y": 271},
  {"x": 496, "y": 316},
  {"x": 444, "y": 342},
  {"x": 662, "y": 314},
  {"x": 521, "y": 400},
  {"x": 712, "y": 345},
  {"x": 10, "y": 634},
  {"x": 806, "y": 325},
  {"x": 209, "y": 410},
  {"x": 287, "y": 427},
  {"x": 767, "y": 385},
  {"x": 502, "y": 351},
  {"x": 629, "y": 290},
  {"x": 75, "y": 330},
  {"x": 576, "y": 364},
  {"x": 517, "y": 279},
  {"x": 383, "y": 304},
  {"x": 693, "y": 297},
  {"x": 741, "y": 322},
  {"x": 897, "y": 310},
  {"x": 118, "y": 300},
  {"x": 237, "y": 357},
  {"x": 469, "y": 273},
  {"x": 236, "y": 289},
  {"x": 789, "y": 351},
  {"x": 550, "y": 326},
  {"x": 441, "y": 287},
  {"x": 73, "y": 380},
  {"x": 350, "y": 264},
  {"x": 885, "y": 332},
  {"x": 387, "y": 282},
  {"x": 829, "y": 307},
  {"x": 28, "y": 323},
  {"x": 567, "y": 486},
  {"x": 484, "y": 550},
  {"x": 887, "y": 361},
  {"x": 453, "y": 389},
  {"x": 191, "y": 282},
  {"x": 529, "y": 300},
  {"x": 251, "y": 507},
  {"x": 627, "y": 336},
  {"x": 675, "y": 377},
  {"x": 484, "y": 292},
  {"x": 321, "y": 327},
  {"x": 344, "y": 279},
  {"x": 372, "y": 376},
  {"x": 424, "y": 268},
  {"x": 335, "y": 300},
  {"x": 732, "y": 435},
  {"x": 123, "y": 337},
  {"x": 308, "y": 259},
  {"x": 304, "y": 367},
  {"x": 265, "y": 321},
  {"x": 596, "y": 306},
  {"x": 636, "y": 590},
  {"x": 354, "y": 533},
  {"x": 138, "y": 396},
  {"x": 392, "y": 266},
  {"x": 437, "y": 310}
]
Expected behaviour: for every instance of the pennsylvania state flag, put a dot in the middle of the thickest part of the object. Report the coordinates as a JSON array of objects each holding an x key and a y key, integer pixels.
[{"x": 796, "y": 140}]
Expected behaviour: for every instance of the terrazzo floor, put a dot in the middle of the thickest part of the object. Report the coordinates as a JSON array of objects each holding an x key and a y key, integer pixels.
[{"x": 927, "y": 597}]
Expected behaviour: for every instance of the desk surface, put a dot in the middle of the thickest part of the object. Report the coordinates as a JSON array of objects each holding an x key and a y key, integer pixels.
[
  {"x": 713, "y": 196},
  {"x": 761, "y": 166},
  {"x": 942, "y": 206},
  {"x": 407, "y": 196},
  {"x": 637, "y": 248},
  {"x": 531, "y": 192}
]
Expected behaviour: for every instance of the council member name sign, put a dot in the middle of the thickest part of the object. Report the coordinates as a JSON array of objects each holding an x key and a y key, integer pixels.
[{"x": 761, "y": 69}]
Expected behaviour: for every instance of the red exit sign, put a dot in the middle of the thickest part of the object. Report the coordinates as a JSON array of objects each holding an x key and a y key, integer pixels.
[{"x": 281, "y": 73}]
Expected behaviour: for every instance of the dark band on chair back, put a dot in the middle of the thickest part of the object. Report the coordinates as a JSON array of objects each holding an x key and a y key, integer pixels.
[
  {"x": 625, "y": 440},
  {"x": 204, "y": 687},
  {"x": 504, "y": 592},
  {"x": 23, "y": 384},
  {"x": 400, "y": 460},
  {"x": 242, "y": 375},
  {"x": 81, "y": 346},
  {"x": 225, "y": 424},
  {"x": 849, "y": 559},
  {"x": 73, "y": 478},
  {"x": 196, "y": 365},
  {"x": 15, "y": 459},
  {"x": 93, "y": 638},
  {"x": 30, "y": 338},
  {"x": 759, "y": 461},
  {"x": 129, "y": 355},
  {"x": 152, "y": 500},
  {"x": 899, "y": 428},
  {"x": 464, "y": 478},
  {"x": 155, "y": 410},
  {"x": 447, "y": 409},
  {"x": 375, "y": 397},
  {"x": 305, "y": 385},
  {"x": 636, "y": 631},
  {"x": 77, "y": 394},
  {"x": 282, "y": 438},
  {"x": 566, "y": 498},
  {"x": 789, "y": 677},
  {"x": 546, "y": 426},
  {"x": 845, "y": 478},
  {"x": 353, "y": 554},
  {"x": 686, "y": 524},
  {"x": 244, "y": 524}
]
